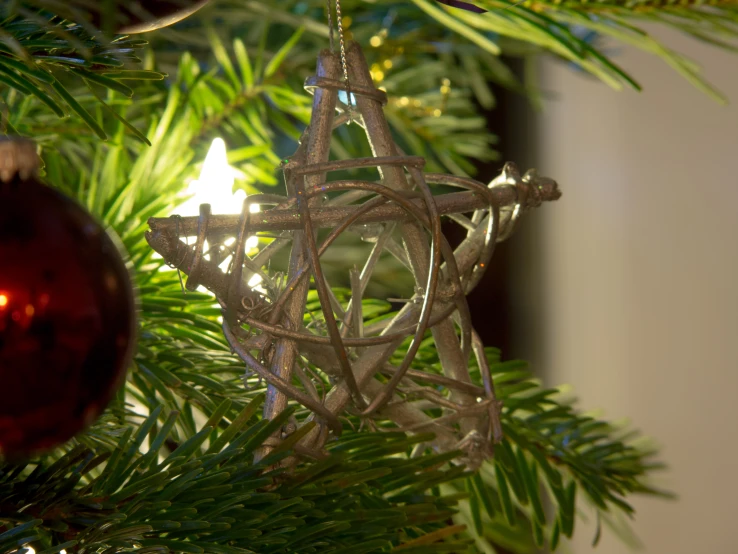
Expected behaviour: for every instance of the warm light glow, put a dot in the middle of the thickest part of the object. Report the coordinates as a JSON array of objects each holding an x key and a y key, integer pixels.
[
  {"x": 376, "y": 72},
  {"x": 255, "y": 280},
  {"x": 255, "y": 284},
  {"x": 30, "y": 310},
  {"x": 251, "y": 242},
  {"x": 3, "y": 300},
  {"x": 214, "y": 186}
]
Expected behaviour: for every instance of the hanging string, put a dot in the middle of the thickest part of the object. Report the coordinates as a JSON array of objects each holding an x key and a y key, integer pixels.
[{"x": 344, "y": 65}]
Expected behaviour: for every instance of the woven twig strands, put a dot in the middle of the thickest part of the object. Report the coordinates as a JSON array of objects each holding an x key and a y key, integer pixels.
[{"x": 342, "y": 367}]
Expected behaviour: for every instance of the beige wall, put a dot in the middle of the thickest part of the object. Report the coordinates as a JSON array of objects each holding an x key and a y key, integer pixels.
[{"x": 639, "y": 279}]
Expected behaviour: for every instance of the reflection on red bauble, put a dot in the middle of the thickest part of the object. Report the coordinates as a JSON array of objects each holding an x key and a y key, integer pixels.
[
  {"x": 138, "y": 16},
  {"x": 67, "y": 318}
]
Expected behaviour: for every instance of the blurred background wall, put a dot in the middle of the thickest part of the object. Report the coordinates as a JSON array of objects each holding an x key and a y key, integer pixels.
[{"x": 627, "y": 288}]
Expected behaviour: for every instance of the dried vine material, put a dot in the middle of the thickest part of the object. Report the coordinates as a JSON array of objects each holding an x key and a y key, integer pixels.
[{"x": 325, "y": 355}]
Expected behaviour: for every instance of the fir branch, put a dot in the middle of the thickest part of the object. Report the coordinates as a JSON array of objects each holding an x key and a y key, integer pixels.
[
  {"x": 203, "y": 498},
  {"x": 555, "y": 26},
  {"x": 42, "y": 56}
]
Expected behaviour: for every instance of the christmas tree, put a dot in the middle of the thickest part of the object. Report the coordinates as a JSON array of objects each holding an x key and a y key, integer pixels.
[{"x": 144, "y": 110}]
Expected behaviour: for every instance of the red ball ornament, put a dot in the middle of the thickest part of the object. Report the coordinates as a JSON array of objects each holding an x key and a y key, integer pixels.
[
  {"x": 132, "y": 16},
  {"x": 144, "y": 16},
  {"x": 67, "y": 311}
]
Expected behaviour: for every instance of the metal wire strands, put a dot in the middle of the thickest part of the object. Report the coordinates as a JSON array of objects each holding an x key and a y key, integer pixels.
[{"x": 332, "y": 363}]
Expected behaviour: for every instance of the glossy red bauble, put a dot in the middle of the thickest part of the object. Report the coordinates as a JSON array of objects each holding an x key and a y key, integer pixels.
[
  {"x": 139, "y": 16},
  {"x": 67, "y": 318}
]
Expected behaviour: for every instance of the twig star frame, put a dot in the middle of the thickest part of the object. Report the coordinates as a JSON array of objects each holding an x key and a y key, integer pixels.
[{"x": 271, "y": 331}]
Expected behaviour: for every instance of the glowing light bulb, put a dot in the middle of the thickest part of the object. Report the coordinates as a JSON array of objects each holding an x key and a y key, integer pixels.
[
  {"x": 3, "y": 300},
  {"x": 214, "y": 186}
]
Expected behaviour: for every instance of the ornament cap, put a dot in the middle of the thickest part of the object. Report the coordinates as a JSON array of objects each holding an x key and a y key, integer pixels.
[{"x": 18, "y": 156}]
